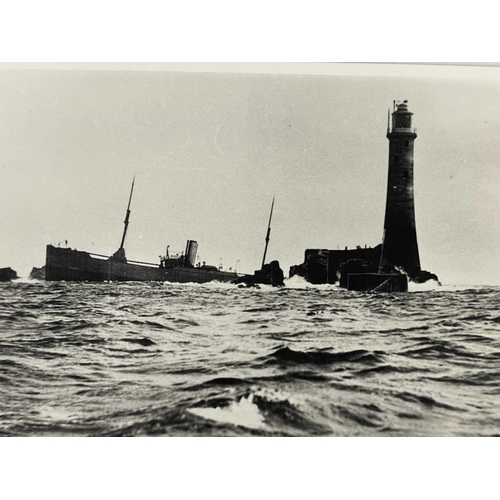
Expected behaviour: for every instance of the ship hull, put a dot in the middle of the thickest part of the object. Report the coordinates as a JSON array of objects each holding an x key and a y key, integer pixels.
[{"x": 66, "y": 264}]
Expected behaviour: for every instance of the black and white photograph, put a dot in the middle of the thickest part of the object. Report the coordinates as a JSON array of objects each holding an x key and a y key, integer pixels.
[{"x": 249, "y": 250}]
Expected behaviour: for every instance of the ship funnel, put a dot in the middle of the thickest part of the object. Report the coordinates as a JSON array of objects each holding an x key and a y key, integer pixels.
[{"x": 191, "y": 251}]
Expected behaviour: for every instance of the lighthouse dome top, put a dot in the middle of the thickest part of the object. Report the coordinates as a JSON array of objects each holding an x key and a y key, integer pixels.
[
  {"x": 402, "y": 107},
  {"x": 401, "y": 119}
]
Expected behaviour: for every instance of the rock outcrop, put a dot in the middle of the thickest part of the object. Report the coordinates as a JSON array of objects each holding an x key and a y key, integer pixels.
[
  {"x": 37, "y": 273},
  {"x": 7, "y": 274}
]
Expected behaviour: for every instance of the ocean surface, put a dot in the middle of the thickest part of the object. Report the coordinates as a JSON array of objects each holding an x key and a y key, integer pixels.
[{"x": 153, "y": 359}]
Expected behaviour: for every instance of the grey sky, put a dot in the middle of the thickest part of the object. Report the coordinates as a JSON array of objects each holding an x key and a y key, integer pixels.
[{"x": 209, "y": 151}]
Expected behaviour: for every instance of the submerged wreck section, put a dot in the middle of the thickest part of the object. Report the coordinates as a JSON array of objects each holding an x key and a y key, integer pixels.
[{"x": 268, "y": 274}]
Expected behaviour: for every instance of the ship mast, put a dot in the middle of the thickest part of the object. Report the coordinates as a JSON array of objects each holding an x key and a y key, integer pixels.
[
  {"x": 267, "y": 235},
  {"x": 128, "y": 215}
]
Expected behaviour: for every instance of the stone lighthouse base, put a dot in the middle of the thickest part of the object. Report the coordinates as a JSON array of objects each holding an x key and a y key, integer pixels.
[{"x": 375, "y": 282}]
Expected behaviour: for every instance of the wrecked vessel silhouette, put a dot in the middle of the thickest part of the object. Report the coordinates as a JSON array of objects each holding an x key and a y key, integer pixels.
[{"x": 67, "y": 264}]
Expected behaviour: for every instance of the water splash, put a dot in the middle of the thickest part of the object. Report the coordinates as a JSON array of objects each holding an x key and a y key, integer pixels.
[{"x": 240, "y": 413}]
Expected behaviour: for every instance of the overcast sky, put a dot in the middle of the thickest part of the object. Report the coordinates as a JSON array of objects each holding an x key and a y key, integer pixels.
[{"x": 210, "y": 150}]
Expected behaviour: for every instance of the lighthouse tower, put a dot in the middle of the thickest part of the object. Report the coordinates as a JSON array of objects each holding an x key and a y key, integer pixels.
[{"x": 399, "y": 246}]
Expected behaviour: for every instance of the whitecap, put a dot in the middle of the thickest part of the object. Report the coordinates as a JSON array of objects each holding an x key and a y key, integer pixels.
[
  {"x": 299, "y": 283},
  {"x": 243, "y": 413}
]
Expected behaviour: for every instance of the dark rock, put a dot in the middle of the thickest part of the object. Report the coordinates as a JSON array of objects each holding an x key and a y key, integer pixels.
[
  {"x": 7, "y": 274},
  {"x": 298, "y": 270},
  {"x": 37, "y": 273}
]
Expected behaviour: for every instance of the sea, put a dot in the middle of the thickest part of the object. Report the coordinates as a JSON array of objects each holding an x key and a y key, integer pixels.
[{"x": 166, "y": 359}]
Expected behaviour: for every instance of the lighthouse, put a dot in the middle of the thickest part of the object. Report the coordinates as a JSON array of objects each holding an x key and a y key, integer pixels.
[
  {"x": 399, "y": 245},
  {"x": 390, "y": 266}
]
